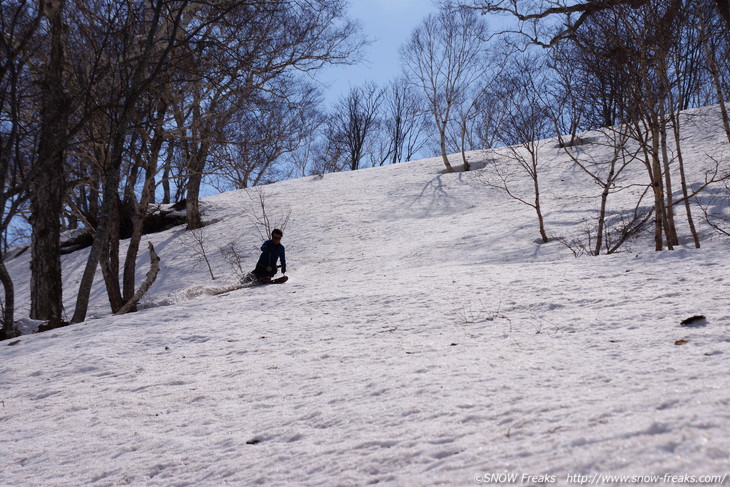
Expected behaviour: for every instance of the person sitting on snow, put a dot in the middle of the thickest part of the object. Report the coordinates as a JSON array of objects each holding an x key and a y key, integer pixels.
[{"x": 271, "y": 251}]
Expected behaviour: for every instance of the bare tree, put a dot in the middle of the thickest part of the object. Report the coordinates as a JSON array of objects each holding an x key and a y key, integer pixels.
[
  {"x": 462, "y": 132},
  {"x": 137, "y": 63},
  {"x": 301, "y": 161},
  {"x": 404, "y": 126},
  {"x": 577, "y": 87},
  {"x": 198, "y": 240},
  {"x": 444, "y": 57},
  {"x": 261, "y": 135},
  {"x": 264, "y": 215},
  {"x": 715, "y": 46},
  {"x": 639, "y": 62},
  {"x": 152, "y": 137},
  {"x": 607, "y": 174},
  {"x": 257, "y": 43},
  {"x": 638, "y": 66},
  {"x": 354, "y": 121},
  {"x": 479, "y": 112},
  {"x": 525, "y": 125},
  {"x": 329, "y": 155}
]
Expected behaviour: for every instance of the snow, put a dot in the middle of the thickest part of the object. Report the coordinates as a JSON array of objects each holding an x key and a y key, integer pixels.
[{"x": 423, "y": 338}]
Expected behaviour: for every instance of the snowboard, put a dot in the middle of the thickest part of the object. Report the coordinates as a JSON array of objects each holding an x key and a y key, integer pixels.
[{"x": 250, "y": 280}]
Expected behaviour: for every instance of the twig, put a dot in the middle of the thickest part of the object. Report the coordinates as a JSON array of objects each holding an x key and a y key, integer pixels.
[
  {"x": 198, "y": 236},
  {"x": 260, "y": 214}
]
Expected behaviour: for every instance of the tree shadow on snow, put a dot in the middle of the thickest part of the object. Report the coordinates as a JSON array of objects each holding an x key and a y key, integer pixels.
[{"x": 433, "y": 196}]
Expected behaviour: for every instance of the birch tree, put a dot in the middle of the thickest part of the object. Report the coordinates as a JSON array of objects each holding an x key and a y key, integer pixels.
[
  {"x": 522, "y": 128},
  {"x": 444, "y": 57}
]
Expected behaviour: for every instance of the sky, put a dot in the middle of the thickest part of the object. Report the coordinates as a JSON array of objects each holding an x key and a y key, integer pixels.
[{"x": 388, "y": 24}]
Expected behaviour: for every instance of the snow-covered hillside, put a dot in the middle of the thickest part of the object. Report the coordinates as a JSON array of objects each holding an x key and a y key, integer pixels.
[{"x": 424, "y": 338}]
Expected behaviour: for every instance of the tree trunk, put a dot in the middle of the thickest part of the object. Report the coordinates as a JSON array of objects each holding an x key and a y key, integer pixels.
[
  {"x": 538, "y": 209},
  {"x": 712, "y": 64},
  {"x": 148, "y": 190},
  {"x": 192, "y": 203},
  {"x": 683, "y": 181},
  {"x": 130, "y": 263},
  {"x": 46, "y": 289},
  {"x": 196, "y": 166},
  {"x": 467, "y": 167},
  {"x": 109, "y": 261},
  {"x": 672, "y": 236},
  {"x": 442, "y": 143},
  {"x": 8, "y": 325},
  {"x": 657, "y": 188},
  {"x": 109, "y": 204},
  {"x": 602, "y": 213},
  {"x": 166, "y": 175},
  {"x": 652, "y": 163},
  {"x": 195, "y": 152},
  {"x": 151, "y": 276}
]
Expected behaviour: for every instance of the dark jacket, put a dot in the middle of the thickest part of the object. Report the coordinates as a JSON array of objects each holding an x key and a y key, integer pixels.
[{"x": 270, "y": 253}]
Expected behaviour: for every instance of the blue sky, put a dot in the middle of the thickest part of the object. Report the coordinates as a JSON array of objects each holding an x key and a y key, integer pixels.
[{"x": 388, "y": 23}]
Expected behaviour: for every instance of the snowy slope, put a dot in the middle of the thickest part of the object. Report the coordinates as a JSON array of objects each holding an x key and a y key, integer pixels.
[{"x": 424, "y": 338}]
